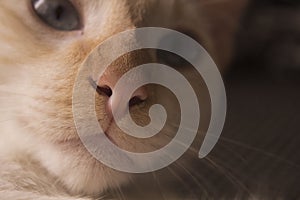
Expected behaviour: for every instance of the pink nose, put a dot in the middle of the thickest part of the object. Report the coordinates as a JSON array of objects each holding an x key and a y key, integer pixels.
[{"x": 106, "y": 86}]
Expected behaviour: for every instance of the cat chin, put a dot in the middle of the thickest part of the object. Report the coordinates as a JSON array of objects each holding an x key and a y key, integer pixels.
[
  {"x": 77, "y": 170},
  {"x": 69, "y": 163}
]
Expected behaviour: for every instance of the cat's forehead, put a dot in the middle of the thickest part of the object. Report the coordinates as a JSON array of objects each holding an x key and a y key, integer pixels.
[
  {"x": 170, "y": 13},
  {"x": 133, "y": 7},
  {"x": 107, "y": 17}
]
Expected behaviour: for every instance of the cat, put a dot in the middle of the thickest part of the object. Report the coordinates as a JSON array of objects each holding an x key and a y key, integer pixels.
[{"x": 43, "y": 44}]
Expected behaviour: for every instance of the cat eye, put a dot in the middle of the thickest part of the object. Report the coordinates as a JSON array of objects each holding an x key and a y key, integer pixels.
[{"x": 59, "y": 14}]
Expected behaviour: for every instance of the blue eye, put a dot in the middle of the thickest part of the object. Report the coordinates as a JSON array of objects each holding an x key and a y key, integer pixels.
[{"x": 59, "y": 14}]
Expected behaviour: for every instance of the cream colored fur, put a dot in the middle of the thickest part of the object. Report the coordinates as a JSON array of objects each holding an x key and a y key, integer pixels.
[{"x": 40, "y": 154}]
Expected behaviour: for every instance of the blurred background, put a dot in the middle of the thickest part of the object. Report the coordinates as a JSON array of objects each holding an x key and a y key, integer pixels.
[{"x": 263, "y": 88}]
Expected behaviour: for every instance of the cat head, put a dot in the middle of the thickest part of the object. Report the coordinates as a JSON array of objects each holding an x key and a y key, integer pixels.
[{"x": 43, "y": 45}]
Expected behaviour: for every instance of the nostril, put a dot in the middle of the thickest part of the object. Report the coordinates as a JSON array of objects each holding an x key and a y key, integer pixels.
[
  {"x": 139, "y": 96},
  {"x": 105, "y": 90},
  {"x": 135, "y": 101}
]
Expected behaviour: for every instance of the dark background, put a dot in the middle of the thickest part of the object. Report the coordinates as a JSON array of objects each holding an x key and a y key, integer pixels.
[{"x": 263, "y": 88}]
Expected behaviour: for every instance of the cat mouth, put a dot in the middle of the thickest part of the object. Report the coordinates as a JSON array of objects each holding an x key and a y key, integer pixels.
[{"x": 79, "y": 140}]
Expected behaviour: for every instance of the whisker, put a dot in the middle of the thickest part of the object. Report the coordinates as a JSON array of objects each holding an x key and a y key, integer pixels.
[
  {"x": 178, "y": 165},
  {"x": 228, "y": 175},
  {"x": 233, "y": 153},
  {"x": 176, "y": 176},
  {"x": 221, "y": 169},
  {"x": 263, "y": 152},
  {"x": 117, "y": 190},
  {"x": 158, "y": 184}
]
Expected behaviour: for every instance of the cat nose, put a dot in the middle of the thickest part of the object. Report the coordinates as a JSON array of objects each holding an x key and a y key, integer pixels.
[{"x": 106, "y": 86}]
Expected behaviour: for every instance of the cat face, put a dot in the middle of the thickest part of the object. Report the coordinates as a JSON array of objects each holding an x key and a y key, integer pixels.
[{"x": 40, "y": 56}]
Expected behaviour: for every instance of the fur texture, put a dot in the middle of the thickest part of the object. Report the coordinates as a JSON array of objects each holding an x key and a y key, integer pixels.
[{"x": 41, "y": 155}]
